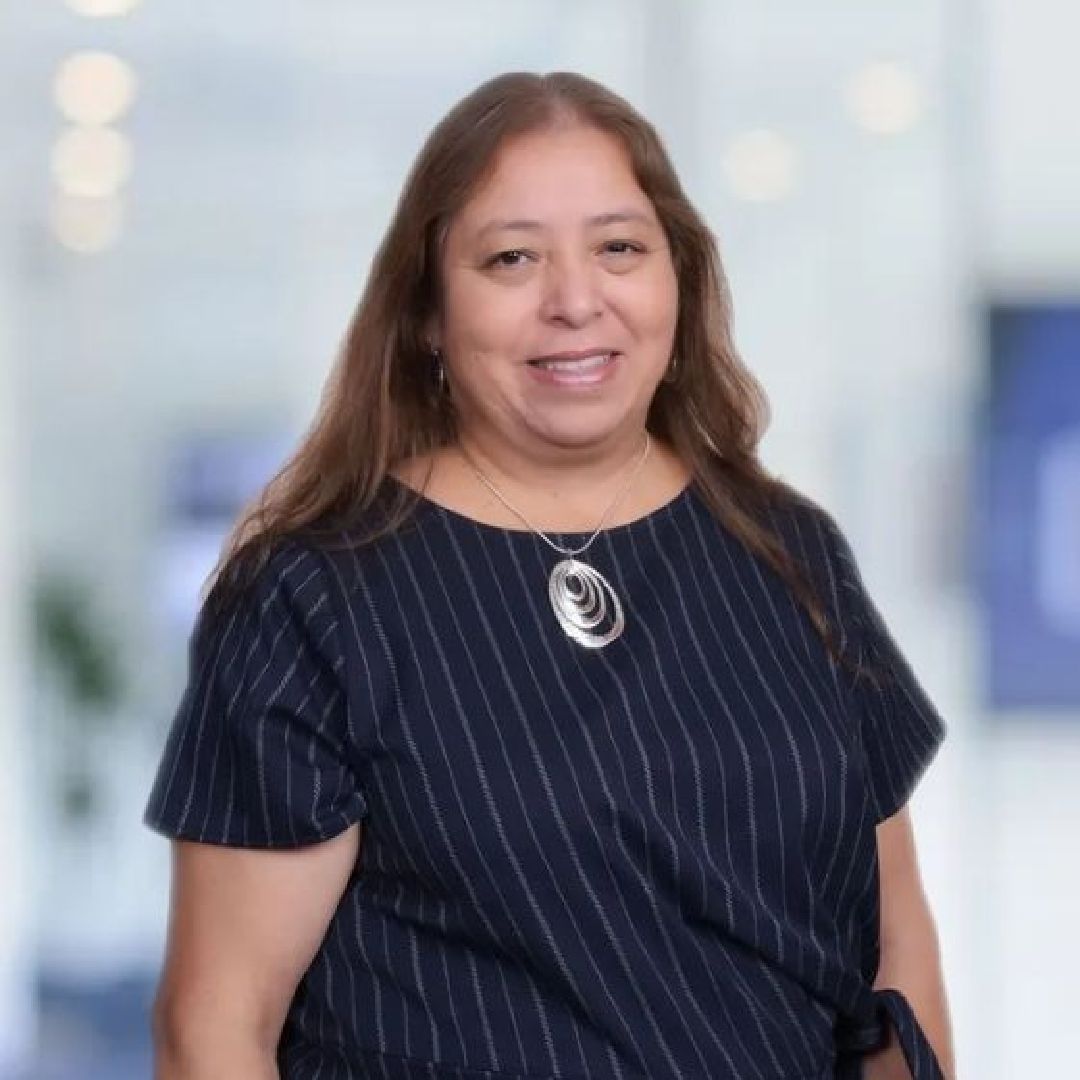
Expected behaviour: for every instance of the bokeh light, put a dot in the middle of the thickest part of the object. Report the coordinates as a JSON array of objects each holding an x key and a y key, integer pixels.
[
  {"x": 761, "y": 166},
  {"x": 92, "y": 162},
  {"x": 94, "y": 88},
  {"x": 884, "y": 98},
  {"x": 102, "y": 9},
  {"x": 85, "y": 225}
]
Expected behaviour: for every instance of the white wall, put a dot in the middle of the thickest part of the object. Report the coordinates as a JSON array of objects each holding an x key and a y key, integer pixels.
[
  {"x": 1029, "y": 85},
  {"x": 16, "y": 927}
]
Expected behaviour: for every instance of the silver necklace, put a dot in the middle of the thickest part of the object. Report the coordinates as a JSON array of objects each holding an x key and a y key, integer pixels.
[{"x": 580, "y": 595}]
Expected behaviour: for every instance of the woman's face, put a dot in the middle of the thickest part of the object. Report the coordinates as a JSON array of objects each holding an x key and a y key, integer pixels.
[{"x": 559, "y": 298}]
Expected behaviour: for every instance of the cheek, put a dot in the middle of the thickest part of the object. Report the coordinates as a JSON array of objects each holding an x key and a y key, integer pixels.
[
  {"x": 654, "y": 308},
  {"x": 480, "y": 318}
]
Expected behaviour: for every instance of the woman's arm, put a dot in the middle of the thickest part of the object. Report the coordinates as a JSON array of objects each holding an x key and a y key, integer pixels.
[
  {"x": 244, "y": 925},
  {"x": 910, "y": 955}
]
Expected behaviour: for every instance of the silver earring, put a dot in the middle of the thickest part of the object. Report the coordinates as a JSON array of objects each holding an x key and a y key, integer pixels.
[{"x": 440, "y": 371}]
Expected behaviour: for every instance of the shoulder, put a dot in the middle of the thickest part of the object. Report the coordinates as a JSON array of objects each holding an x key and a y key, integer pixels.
[
  {"x": 286, "y": 579},
  {"x": 808, "y": 530},
  {"x": 817, "y": 544}
]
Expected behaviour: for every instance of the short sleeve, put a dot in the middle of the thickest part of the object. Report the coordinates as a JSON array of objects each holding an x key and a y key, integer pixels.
[
  {"x": 900, "y": 728},
  {"x": 259, "y": 752}
]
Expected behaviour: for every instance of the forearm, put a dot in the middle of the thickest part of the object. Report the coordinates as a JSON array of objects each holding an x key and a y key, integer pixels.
[{"x": 913, "y": 966}]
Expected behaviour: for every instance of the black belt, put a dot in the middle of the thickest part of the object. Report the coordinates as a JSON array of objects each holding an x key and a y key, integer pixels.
[{"x": 858, "y": 1036}]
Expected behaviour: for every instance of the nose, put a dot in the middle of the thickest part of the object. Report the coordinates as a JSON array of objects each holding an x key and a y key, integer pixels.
[{"x": 571, "y": 293}]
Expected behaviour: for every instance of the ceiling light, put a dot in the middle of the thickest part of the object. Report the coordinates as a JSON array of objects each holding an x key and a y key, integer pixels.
[
  {"x": 93, "y": 162},
  {"x": 102, "y": 9},
  {"x": 86, "y": 226},
  {"x": 761, "y": 166},
  {"x": 94, "y": 88},
  {"x": 884, "y": 98}
]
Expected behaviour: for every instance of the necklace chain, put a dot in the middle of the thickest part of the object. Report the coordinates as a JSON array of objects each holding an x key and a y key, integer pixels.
[{"x": 571, "y": 552}]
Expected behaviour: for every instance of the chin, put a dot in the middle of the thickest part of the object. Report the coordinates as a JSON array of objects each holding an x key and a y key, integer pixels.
[{"x": 578, "y": 436}]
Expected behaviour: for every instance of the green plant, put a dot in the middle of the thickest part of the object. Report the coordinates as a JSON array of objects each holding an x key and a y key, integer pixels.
[{"x": 69, "y": 640}]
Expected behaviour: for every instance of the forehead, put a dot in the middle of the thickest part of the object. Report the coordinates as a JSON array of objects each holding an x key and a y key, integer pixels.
[{"x": 564, "y": 174}]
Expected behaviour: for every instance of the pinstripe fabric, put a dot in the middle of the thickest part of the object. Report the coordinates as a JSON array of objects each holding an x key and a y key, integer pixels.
[{"x": 654, "y": 860}]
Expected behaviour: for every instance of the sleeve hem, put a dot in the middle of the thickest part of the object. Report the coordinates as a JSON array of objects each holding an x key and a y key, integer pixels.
[
  {"x": 887, "y": 808},
  {"x": 339, "y": 823}
]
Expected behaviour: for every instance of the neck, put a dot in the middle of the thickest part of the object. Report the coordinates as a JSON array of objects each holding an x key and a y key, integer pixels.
[
  {"x": 557, "y": 498},
  {"x": 562, "y": 477}
]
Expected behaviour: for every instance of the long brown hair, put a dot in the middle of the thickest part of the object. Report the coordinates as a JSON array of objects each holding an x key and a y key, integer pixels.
[{"x": 380, "y": 405}]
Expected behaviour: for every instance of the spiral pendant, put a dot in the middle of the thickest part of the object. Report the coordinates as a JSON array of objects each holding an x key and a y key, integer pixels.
[{"x": 581, "y": 597}]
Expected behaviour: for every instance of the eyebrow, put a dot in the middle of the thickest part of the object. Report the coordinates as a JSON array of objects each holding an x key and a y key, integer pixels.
[{"x": 612, "y": 217}]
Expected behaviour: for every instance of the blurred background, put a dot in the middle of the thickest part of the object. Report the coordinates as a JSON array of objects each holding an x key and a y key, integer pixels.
[{"x": 189, "y": 198}]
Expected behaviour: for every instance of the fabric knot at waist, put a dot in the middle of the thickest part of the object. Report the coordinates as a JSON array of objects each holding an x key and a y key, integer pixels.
[{"x": 856, "y": 1037}]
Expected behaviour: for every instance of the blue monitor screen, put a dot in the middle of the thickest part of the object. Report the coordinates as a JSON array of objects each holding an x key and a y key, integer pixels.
[{"x": 1027, "y": 517}]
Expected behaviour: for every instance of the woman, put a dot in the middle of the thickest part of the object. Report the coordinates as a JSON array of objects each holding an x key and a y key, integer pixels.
[{"x": 533, "y": 729}]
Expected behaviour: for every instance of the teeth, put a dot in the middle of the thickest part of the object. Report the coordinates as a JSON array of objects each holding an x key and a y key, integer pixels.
[{"x": 586, "y": 363}]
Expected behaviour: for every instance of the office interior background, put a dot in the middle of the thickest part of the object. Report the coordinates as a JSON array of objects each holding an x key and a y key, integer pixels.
[{"x": 189, "y": 198}]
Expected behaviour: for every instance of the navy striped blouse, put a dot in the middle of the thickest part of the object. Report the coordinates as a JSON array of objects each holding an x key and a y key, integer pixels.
[{"x": 651, "y": 860}]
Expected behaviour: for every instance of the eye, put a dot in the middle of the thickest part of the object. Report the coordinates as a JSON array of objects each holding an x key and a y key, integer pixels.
[
  {"x": 623, "y": 247},
  {"x": 512, "y": 258}
]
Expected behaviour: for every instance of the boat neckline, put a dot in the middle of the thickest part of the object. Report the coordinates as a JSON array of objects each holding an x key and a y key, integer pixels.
[{"x": 651, "y": 516}]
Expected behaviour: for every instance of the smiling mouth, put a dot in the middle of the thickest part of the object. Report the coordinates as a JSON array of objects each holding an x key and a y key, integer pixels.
[{"x": 574, "y": 364}]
